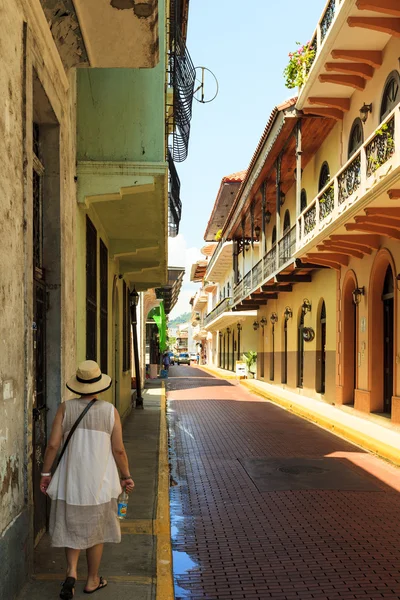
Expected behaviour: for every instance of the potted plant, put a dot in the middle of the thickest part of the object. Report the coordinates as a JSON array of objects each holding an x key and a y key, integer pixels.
[
  {"x": 250, "y": 358},
  {"x": 300, "y": 62}
]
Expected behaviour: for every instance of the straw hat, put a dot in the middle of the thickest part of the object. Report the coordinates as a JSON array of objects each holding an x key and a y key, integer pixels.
[{"x": 89, "y": 379}]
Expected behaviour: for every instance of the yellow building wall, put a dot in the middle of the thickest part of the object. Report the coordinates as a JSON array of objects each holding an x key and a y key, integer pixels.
[{"x": 120, "y": 392}]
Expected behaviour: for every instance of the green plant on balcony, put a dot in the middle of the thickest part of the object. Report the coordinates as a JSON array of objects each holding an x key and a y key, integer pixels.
[
  {"x": 381, "y": 148},
  {"x": 218, "y": 235},
  {"x": 300, "y": 62},
  {"x": 250, "y": 358}
]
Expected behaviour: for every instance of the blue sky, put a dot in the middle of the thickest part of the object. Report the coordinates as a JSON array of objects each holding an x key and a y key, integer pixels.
[{"x": 246, "y": 44}]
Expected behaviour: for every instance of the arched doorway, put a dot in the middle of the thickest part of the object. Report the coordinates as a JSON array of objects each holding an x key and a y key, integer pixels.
[
  {"x": 286, "y": 241},
  {"x": 300, "y": 350},
  {"x": 349, "y": 341},
  {"x": 391, "y": 94},
  {"x": 322, "y": 349},
  {"x": 272, "y": 353},
  {"x": 285, "y": 350},
  {"x": 382, "y": 327},
  {"x": 324, "y": 176},
  {"x": 388, "y": 339}
]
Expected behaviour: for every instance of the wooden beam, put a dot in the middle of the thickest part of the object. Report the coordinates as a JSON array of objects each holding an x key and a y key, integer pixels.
[
  {"x": 369, "y": 57},
  {"x": 293, "y": 278},
  {"x": 384, "y": 211},
  {"x": 238, "y": 308},
  {"x": 327, "y": 263},
  {"x": 339, "y": 103},
  {"x": 361, "y": 69},
  {"x": 385, "y": 221},
  {"x": 277, "y": 288},
  {"x": 387, "y": 7},
  {"x": 369, "y": 241},
  {"x": 385, "y": 25},
  {"x": 347, "y": 246},
  {"x": 340, "y": 250},
  {"x": 394, "y": 194},
  {"x": 358, "y": 83},
  {"x": 334, "y": 258},
  {"x": 330, "y": 113},
  {"x": 378, "y": 229},
  {"x": 300, "y": 265},
  {"x": 272, "y": 296}
]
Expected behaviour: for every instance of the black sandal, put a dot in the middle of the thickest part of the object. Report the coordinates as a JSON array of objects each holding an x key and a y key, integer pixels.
[
  {"x": 101, "y": 585},
  {"x": 67, "y": 588}
]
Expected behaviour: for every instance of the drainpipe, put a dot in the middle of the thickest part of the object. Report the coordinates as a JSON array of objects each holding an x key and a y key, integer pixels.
[{"x": 134, "y": 299}]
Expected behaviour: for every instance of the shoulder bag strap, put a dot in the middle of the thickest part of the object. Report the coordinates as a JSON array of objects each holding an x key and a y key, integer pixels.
[{"x": 74, "y": 426}]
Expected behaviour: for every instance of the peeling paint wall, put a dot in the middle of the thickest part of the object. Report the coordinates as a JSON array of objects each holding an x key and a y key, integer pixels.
[{"x": 28, "y": 54}]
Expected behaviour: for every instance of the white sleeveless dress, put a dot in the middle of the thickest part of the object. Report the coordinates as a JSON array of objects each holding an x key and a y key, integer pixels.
[{"x": 85, "y": 487}]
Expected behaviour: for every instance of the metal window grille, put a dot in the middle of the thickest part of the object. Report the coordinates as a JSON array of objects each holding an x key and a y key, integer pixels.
[
  {"x": 174, "y": 201},
  {"x": 91, "y": 290},
  {"x": 103, "y": 307},
  {"x": 37, "y": 225}
]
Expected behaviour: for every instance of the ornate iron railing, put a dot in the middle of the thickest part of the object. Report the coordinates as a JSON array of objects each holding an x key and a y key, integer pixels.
[
  {"x": 257, "y": 274},
  {"x": 224, "y": 305},
  {"x": 287, "y": 246},
  {"x": 174, "y": 201},
  {"x": 270, "y": 262},
  {"x": 353, "y": 179},
  {"x": 182, "y": 76},
  {"x": 327, "y": 18},
  {"x": 349, "y": 180}
]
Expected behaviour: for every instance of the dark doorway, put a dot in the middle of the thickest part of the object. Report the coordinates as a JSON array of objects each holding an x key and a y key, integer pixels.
[
  {"x": 300, "y": 351},
  {"x": 238, "y": 341},
  {"x": 285, "y": 350},
  {"x": 323, "y": 348},
  {"x": 272, "y": 354},
  {"x": 388, "y": 340},
  {"x": 233, "y": 349}
]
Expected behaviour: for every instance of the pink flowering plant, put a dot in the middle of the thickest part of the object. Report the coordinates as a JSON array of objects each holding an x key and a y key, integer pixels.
[{"x": 299, "y": 65}]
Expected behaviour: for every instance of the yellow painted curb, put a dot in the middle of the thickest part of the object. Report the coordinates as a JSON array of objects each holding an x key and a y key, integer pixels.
[
  {"x": 217, "y": 374},
  {"x": 165, "y": 587},
  {"x": 364, "y": 441},
  {"x": 361, "y": 439}
]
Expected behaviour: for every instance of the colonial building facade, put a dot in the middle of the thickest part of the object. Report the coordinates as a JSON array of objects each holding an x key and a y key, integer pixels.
[
  {"x": 90, "y": 191},
  {"x": 311, "y": 239}
]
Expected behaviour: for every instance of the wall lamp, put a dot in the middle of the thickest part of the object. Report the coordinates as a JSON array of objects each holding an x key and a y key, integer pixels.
[
  {"x": 220, "y": 334},
  {"x": 273, "y": 318},
  {"x": 257, "y": 231},
  {"x": 364, "y": 110},
  {"x": 256, "y": 325},
  {"x": 267, "y": 217},
  {"x": 239, "y": 327},
  {"x": 228, "y": 330},
  {"x": 306, "y": 306},
  {"x": 283, "y": 198},
  {"x": 357, "y": 293},
  {"x": 288, "y": 313},
  {"x": 263, "y": 322}
]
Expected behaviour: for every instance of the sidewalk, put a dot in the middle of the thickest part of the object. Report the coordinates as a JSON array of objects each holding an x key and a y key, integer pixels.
[
  {"x": 139, "y": 567},
  {"x": 373, "y": 433}
]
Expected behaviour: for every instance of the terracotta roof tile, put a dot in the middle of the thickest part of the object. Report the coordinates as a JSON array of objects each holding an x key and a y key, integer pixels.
[{"x": 235, "y": 177}]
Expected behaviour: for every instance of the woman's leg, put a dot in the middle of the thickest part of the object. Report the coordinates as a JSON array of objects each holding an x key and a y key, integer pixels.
[
  {"x": 93, "y": 557},
  {"x": 72, "y": 556}
]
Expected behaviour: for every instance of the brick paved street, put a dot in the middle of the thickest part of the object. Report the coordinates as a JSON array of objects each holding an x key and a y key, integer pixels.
[{"x": 267, "y": 505}]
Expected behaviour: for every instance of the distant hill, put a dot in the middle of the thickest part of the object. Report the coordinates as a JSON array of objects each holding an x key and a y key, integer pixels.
[{"x": 179, "y": 320}]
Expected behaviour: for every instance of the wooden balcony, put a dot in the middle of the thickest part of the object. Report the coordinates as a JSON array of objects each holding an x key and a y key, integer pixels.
[{"x": 366, "y": 174}]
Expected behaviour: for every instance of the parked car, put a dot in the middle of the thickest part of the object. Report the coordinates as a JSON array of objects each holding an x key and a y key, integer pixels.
[
  {"x": 171, "y": 358},
  {"x": 183, "y": 359},
  {"x": 193, "y": 356}
]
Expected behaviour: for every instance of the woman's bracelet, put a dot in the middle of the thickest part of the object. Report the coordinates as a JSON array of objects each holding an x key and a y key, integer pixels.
[
  {"x": 45, "y": 474},
  {"x": 124, "y": 478}
]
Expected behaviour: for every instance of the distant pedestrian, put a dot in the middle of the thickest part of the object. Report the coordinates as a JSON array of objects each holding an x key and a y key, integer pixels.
[
  {"x": 198, "y": 358},
  {"x": 85, "y": 487},
  {"x": 166, "y": 361}
]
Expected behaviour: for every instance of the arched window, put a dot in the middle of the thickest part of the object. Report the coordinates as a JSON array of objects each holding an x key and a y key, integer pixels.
[
  {"x": 324, "y": 176},
  {"x": 286, "y": 222},
  {"x": 274, "y": 235},
  {"x": 391, "y": 94},
  {"x": 356, "y": 137},
  {"x": 303, "y": 200}
]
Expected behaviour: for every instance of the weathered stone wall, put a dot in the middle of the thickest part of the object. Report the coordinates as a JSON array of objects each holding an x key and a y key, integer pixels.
[{"x": 28, "y": 55}]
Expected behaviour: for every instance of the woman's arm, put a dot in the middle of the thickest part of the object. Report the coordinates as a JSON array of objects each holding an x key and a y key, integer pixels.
[
  {"x": 118, "y": 450},
  {"x": 52, "y": 448}
]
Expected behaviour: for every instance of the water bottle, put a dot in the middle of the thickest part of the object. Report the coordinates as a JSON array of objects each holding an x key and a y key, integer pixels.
[{"x": 123, "y": 505}]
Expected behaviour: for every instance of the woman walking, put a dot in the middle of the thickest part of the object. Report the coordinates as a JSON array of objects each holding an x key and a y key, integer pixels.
[{"x": 85, "y": 486}]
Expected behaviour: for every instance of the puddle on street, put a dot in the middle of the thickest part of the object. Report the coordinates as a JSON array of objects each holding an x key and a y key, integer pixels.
[{"x": 182, "y": 563}]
